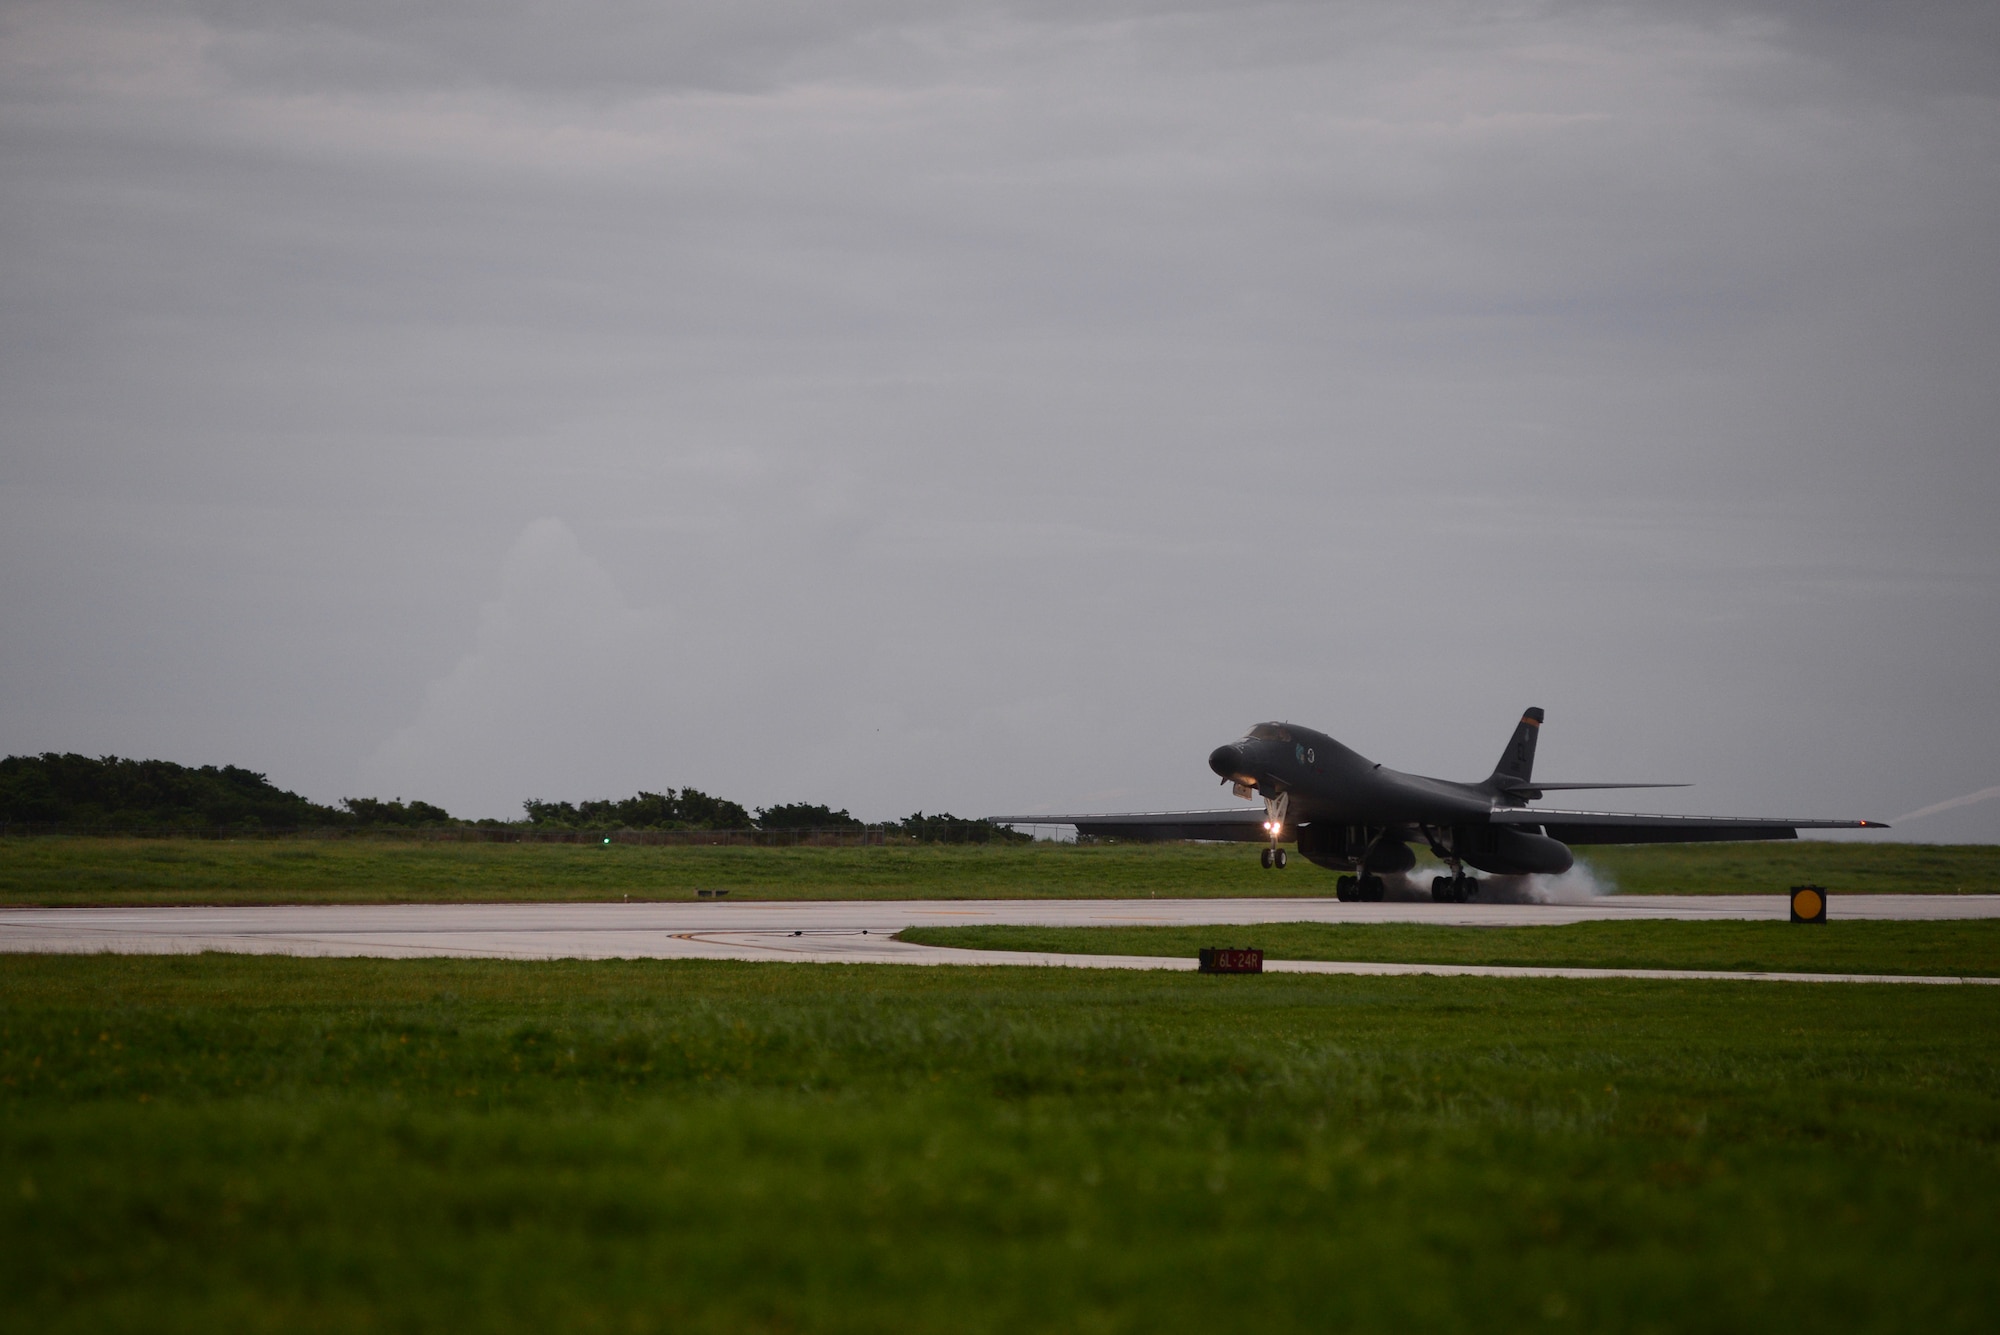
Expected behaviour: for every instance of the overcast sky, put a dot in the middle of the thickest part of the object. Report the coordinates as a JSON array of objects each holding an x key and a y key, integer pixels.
[{"x": 993, "y": 407}]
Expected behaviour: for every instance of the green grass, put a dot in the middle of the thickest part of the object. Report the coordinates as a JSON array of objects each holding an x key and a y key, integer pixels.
[
  {"x": 1769, "y": 868},
  {"x": 73, "y": 871},
  {"x": 263, "y": 871},
  {"x": 226, "y": 1142},
  {"x": 1960, "y": 948}
]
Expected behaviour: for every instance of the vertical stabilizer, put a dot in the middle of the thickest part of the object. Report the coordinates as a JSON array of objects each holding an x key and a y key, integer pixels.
[{"x": 1517, "y": 762}]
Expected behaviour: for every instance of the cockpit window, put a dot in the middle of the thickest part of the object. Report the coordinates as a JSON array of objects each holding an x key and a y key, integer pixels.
[{"x": 1270, "y": 732}]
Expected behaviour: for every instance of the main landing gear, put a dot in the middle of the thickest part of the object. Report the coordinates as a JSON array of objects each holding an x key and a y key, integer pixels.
[
  {"x": 1366, "y": 889},
  {"x": 1454, "y": 889},
  {"x": 1274, "y": 857},
  {"x": 1457, "y": 887}
]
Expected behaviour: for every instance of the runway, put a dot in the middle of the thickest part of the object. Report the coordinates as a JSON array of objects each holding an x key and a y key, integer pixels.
[{"x": 859, "y": 931}]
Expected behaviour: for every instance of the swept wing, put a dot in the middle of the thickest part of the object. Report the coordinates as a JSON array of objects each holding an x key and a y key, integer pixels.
[
  {"x": 1246, "y": 825},
  {"x": 1234, "y": 824},
  {"x": 1619, "y": 827}
]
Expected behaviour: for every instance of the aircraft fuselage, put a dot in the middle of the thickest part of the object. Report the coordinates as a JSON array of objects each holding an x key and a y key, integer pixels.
[
  {"x": 1351, "y": 813},
  {"x": 1326, "y": 780}
]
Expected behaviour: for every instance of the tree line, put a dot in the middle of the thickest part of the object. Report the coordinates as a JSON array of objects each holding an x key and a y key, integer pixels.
[{"x": 111, "y": 793}]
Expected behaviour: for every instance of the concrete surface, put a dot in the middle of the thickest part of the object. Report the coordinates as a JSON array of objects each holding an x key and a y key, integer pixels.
[{"x": 859, "y": 931}]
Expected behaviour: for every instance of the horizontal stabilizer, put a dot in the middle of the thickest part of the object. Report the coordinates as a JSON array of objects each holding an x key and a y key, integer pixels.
[
  {"x": 1518, "y": 787},
  {"x": 1525, "y": 791}
]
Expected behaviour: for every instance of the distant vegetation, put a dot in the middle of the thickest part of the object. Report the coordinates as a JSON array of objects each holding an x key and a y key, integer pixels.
[
  {"x": 414, "y": 815},
  {"x": 144, "y": 796},
  {"x": 688, "y": 809},
  {"x": 692, "y": 809},
  {"x": 945, "y": 828},
  {"x": 805, "y": 816},
  {"x": 52, "y": 789},
  {"x": 69, "y": 791}
]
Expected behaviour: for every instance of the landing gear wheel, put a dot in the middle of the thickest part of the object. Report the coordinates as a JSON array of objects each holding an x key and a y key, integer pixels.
[
  {"x": 1468, "y": 889},
  {"x": 1343, "y": 890},
  {"x": 1278, "y": 859},
  {"x": 1441, "y": 890},
  {"x": 1372, "y": 889},
  {"x": 1266, "y": 858}
]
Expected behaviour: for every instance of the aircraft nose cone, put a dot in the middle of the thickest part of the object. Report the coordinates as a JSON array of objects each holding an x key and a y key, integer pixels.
[{"x": 1226, "y": 761}]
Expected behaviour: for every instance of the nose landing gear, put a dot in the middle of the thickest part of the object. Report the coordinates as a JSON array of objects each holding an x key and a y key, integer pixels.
[{"x": 1274, "y": 825}]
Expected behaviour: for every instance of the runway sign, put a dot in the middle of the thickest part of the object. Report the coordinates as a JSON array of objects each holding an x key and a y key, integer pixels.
[
  {"x": 1808, "y": 903},
  {"x": 1221, "y": 959}
]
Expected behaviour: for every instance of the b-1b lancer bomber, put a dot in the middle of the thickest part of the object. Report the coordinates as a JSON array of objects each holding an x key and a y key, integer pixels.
[{"x": 1355, "y": 816}]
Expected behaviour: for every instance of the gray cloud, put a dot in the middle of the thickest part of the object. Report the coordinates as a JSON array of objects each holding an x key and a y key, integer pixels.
[
  {"x": 553, "y": 695},
  {"x": 973, "y": 388},
  {"x": 1926, "y": 48}
]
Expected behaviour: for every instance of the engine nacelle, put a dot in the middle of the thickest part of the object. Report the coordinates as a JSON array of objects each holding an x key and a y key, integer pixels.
[
  {"x": 1341, "y": 846},
  {"x": 1507, "y": 851}
]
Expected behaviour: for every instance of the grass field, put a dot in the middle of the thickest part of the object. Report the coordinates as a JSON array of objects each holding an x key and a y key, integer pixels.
[
  {"x": 1769, "y": 868},
  {"x": 1958, "y": 949},
  {"x": 219, "y": 1142},
  {"x": 261, "y": 871}
]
